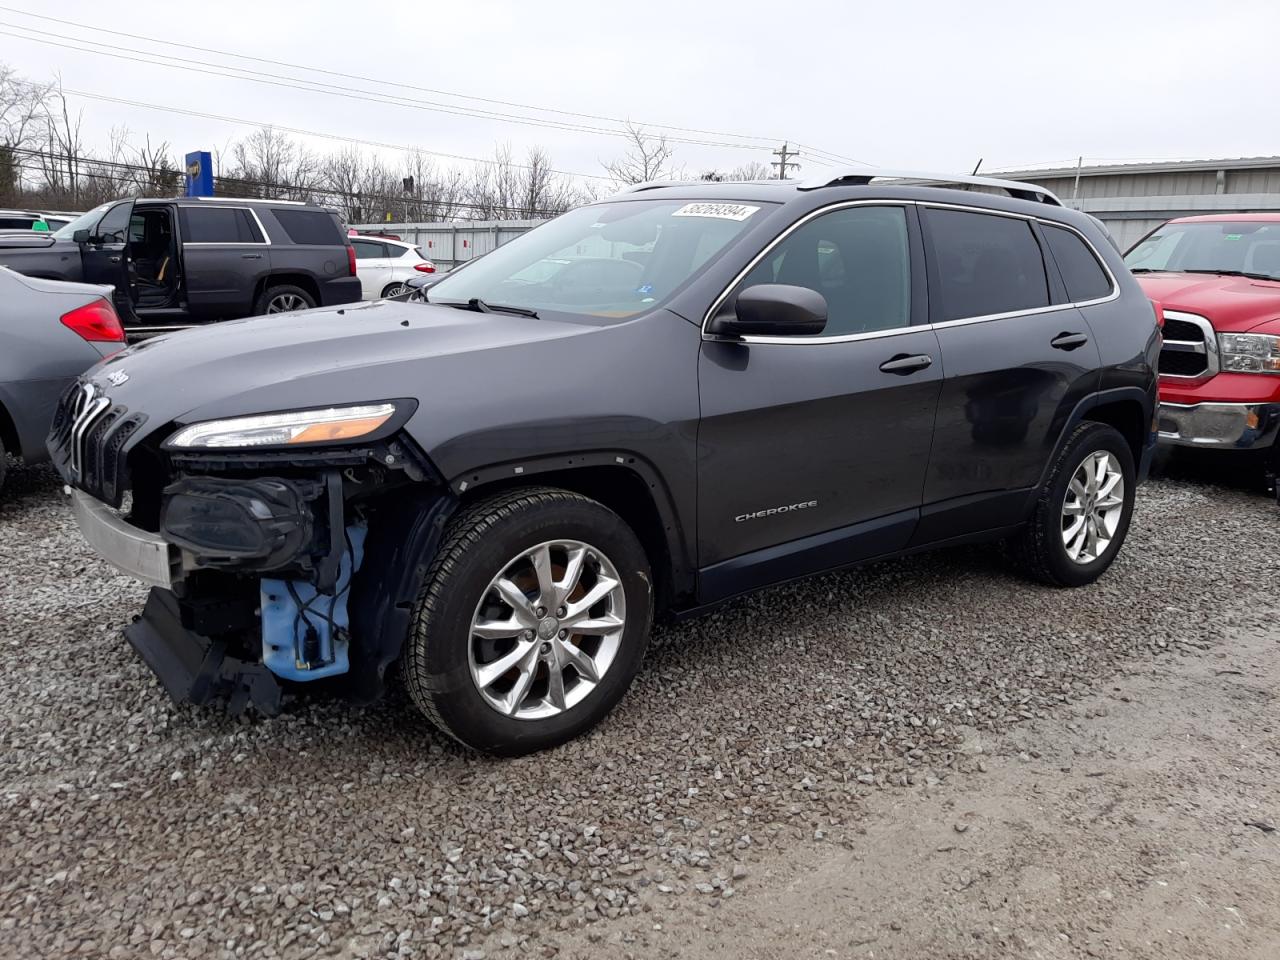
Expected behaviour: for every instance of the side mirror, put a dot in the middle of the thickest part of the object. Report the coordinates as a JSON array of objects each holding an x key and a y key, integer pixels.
[
  {"x": 80, "y": 236},
  {"x": 774, "y": 310},
  {"x": 418, "y": 287}
]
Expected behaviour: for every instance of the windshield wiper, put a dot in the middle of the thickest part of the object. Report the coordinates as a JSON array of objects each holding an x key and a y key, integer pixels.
[
  {"x": 477, "y": 305},
  {"x": 1235, "y": 273},
  {"x": 1147, "y": 270}
]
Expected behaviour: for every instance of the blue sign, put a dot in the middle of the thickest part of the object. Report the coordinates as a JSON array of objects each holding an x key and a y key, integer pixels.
[{"x": 199, "y": 174}]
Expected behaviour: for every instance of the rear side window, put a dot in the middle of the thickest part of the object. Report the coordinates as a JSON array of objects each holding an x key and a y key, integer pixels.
[
  {"x": 17, "y": 223},
  {"x": 985, "y": 264},
  {"x": 311, "y": 227},
  {"x": 218, "y": 225},
  {"x": 369, "y": 250},
  {"x": 1081, "y": 272},
  {"x": 858, "y": 258}
]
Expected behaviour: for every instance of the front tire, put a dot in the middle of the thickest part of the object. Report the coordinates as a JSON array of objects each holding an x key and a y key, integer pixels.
[
  {"x": 1083, "y": 511},
  {"x": 532, "y": 621},
  {"x": 283, "y": 298},
  {"x": 396, "y": 289}
]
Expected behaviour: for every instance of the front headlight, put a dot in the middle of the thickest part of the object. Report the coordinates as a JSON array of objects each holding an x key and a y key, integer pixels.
[
  {"x": 285, "y": 429},
  {"x": 1249, "y": 352}
]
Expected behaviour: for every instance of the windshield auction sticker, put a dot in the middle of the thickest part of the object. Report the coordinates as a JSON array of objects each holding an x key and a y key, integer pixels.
[{"x": 720, "y": 211}]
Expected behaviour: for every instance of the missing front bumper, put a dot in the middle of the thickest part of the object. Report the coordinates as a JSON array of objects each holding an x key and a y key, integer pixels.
[{"x": 198, "y": 669}]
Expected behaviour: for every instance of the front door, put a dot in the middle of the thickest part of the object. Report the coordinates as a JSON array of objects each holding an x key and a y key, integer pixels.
[
  {"x": 812, "y": 450},
  {"x": 104, "y": 256},
  {"x": 1018, "y": 358}
]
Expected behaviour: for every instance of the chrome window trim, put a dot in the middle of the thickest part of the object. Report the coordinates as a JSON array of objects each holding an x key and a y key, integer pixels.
[
  {"x": 896, "y": 331},
  {"x": 264, "y": 242},
  {"x": 1212, "y": 364}
]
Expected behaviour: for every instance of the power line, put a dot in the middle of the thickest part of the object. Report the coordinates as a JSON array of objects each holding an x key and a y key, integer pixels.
[
  {"x": 92, "y": 169},
  {"x": 299, "y": 131},
  {"x": 310, "y": 86},
  {"x": 408, "y": 86}
]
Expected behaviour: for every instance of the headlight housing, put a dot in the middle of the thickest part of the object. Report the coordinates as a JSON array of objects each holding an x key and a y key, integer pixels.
[
  {"x": 1249, "y": 352},
  {"x": 327, "y": 425}
]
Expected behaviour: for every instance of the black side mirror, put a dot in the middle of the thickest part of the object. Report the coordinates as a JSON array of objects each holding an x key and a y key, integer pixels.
[
  {"x": 418, "y": 287},
  {"x": 774, "y": 310},
  {"x": 80, "y": 236}
]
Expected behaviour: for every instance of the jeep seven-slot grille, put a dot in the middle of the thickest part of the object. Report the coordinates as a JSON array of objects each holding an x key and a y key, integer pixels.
[
  {"x": 87, "y": 442},
  {"x": 1188, "y": 348}
]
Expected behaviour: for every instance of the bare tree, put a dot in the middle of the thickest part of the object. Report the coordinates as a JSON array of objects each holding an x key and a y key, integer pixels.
[
  {"x": 22, "y": 111},
  {"x": 270, "y": 164},
  {"x": 753, "y": 170},
  {"x": 647, "y": 158}
]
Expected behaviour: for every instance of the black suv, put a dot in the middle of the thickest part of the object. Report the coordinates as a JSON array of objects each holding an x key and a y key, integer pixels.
[
  {"x": 647, "y": 405},
  {"x": 174, "y": 263}
]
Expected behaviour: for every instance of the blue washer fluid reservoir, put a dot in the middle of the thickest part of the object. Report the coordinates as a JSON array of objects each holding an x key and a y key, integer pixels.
[{"x": 304, "y": 633}]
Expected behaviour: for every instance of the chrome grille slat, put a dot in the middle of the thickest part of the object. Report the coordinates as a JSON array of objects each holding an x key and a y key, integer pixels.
[{"x": 1190, "y": 350}]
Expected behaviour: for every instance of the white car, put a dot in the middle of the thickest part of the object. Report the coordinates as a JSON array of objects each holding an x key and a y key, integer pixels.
[{"x": 384, "y": 265}]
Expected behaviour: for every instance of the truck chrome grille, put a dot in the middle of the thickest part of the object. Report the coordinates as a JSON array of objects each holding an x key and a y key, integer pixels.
[{"x": 1190, "y": 348}]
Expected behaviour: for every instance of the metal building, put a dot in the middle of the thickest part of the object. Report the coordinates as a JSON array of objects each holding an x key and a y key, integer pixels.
[{"x": 1134, "y": 198}]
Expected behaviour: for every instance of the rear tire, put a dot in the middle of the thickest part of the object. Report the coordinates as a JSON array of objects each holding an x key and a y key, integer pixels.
[
  {"x": 1054, "y": 549},
  {"x": 526, "y": 708},
  {"x": 283, "y": 298},
  {"x": 4, "y": 463},
  {"x": 396, "y": 289}
]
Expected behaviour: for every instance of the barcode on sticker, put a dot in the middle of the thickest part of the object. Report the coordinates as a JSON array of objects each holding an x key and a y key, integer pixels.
[{"x": 721, "y": 211}]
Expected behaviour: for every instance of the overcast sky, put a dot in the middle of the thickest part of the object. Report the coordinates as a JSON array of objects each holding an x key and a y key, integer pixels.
[{"x": 921, "y": 85}]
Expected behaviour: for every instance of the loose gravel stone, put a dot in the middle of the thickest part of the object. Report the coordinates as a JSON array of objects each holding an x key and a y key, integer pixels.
[{"x": 127, "y": 822}]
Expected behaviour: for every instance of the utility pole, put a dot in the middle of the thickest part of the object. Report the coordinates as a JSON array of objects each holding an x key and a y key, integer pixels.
[{"x": 782, "y": 163}]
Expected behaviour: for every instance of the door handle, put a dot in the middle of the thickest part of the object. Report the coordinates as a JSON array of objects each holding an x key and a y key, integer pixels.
[
  {"x": 250, "y": 256},
  {"x": 1068, "y": 341},
  {"x": 904, "y": 364},
  {"x": 114, "y": 259}
]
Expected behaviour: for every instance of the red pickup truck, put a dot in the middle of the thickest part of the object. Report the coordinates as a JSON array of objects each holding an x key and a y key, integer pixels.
[{"x": 1218, "y": 281}]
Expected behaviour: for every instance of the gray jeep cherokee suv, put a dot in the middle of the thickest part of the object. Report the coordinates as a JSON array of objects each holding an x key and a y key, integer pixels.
[{"x": 649, "y": 404}]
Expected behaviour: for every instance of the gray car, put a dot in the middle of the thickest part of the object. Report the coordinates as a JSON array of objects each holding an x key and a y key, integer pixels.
[
  {"x": 50, "y": 332},
  {"x": 741, "y": 384}
]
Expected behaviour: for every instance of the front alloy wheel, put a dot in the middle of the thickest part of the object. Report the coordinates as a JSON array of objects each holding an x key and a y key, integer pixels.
[
  {"x": 531, "y": 622},
  {"x": 547, "y": 629}
]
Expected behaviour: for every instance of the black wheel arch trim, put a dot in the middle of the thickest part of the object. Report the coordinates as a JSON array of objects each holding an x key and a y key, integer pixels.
[
  {"x": 1104, "y": 398},
  {"x": 679, "y": 550}
]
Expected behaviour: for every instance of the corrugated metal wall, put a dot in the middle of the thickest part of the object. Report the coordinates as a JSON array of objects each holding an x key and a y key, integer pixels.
[{"x": 451, "y": 244}]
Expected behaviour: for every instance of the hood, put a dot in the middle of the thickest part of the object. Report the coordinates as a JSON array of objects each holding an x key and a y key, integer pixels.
[
  {"x": 356, "y": 353},
  {"x": 1235, "y": 304}
]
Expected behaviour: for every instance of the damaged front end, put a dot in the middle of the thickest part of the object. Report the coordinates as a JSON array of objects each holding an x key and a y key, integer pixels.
[{"x": 273, "y": 571}]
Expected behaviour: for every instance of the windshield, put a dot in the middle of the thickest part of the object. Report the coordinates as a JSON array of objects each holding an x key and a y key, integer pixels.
[
  {"x": 604, "y": 260},
  {"x": 1246, "y": 247},
  {"x": 86, "y": 221}
]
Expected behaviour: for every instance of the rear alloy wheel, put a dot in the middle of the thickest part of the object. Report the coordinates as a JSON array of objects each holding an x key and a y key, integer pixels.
[
  {"x": 532, "y": 621},
  {"x": 284, "y": 299},
  {"x": 1082, "y": 513},
  {"x": 395, "y": 290}
]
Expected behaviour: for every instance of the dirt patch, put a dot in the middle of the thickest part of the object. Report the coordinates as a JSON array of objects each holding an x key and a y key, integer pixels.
[{"x": 1136, "y": 825}]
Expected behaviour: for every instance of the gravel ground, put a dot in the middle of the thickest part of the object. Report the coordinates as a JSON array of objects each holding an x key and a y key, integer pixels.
[{"x": 135, "y": 828}]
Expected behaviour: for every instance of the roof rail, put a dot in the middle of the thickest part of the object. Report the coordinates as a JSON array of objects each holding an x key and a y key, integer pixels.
[
  {"x": 860, "y": 176},
  {"x": 292, "y": 203}
]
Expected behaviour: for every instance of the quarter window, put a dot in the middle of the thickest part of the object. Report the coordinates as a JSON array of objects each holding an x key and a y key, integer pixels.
[
  {"x": 858, "y": 258},
  {"x": 985, "y": 264},
  {"x": 1081, "y": 272},
  {"x": 310, "y": 227}
]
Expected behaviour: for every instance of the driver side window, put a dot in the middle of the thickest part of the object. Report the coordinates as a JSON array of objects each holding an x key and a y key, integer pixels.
[
  {"x": 858, "y": 258},
  {"x": 114, "y": 225}
]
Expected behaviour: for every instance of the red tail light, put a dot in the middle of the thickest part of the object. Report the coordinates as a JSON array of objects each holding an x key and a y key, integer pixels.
[
  {"x": 425, "y": 267},
  {"x": 351, "y": 259},
  {"x": 96, "y": 321},
  {"x": 1159, "y": 307}
]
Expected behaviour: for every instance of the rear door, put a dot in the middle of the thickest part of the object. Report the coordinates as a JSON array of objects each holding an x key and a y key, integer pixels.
[
  {"x": 372, "y": 267},
  {"x": 224, "y": 255},
  {"x": 812, "y": 449},
  {"x": 1018, "y": 358}
]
